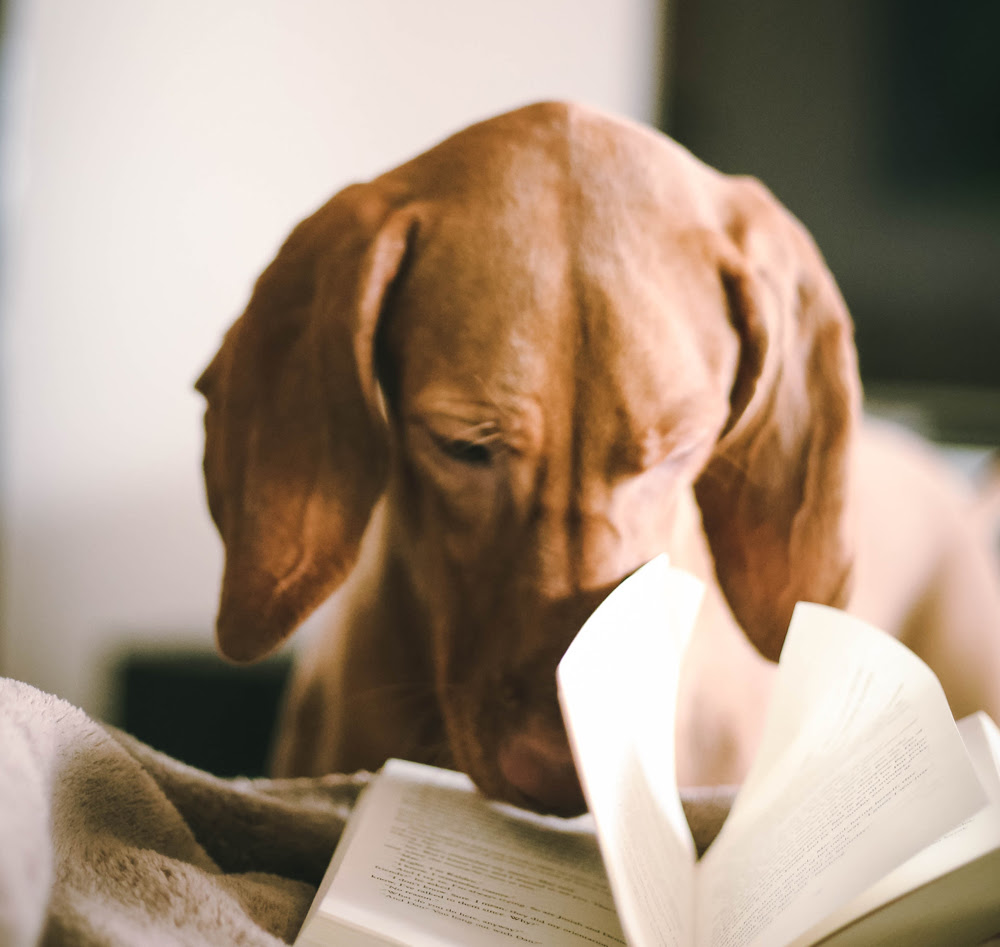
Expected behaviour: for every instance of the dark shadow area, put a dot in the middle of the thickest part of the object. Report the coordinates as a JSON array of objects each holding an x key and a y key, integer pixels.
[
  {"x": 196, "y": 708},
  {"x": 878, "y": 125}
]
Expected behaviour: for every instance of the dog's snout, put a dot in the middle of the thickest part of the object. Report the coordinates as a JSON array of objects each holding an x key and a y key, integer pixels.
[
  {"x": 539, "y": 766},
  {"x": 532, "y": 758}
]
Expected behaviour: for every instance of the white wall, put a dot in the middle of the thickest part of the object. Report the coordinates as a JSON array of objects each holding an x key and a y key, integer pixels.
[{"x": 155, "y": 155}]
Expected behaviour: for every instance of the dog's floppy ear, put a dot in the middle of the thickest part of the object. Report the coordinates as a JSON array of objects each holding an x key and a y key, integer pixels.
[
  {"x": 295, "y": 447},
  {"x": 774, "y": 494}
]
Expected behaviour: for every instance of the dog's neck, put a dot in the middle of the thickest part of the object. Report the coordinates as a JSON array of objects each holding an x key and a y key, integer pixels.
[{"x": 379, "y": 674}]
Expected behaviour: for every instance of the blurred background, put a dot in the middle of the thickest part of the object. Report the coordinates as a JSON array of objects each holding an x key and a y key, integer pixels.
[{"x": 154, "y": 155}]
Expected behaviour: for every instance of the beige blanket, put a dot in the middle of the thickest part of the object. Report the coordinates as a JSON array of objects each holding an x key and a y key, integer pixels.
[{"x": 104, "y": 841}]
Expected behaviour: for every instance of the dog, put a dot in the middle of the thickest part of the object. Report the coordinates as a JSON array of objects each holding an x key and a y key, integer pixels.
[{"x": 470, "y": 396}]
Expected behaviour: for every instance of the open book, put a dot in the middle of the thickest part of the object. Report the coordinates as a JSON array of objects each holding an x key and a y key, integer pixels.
[{"x": 867, "y": 818}]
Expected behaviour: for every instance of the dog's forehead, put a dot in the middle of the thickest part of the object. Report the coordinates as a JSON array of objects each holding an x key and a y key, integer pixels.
[
  {"x": 639, "y": 350},
  {"x": 562, "y": 254}
]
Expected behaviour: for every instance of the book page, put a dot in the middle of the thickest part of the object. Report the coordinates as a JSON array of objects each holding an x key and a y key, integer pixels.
[
  {"x": 433, "y": 862},
  {"x": 618, "y": 691},
  {"x": 975, "y": 843},
  {"x": 860, "y": 767}
]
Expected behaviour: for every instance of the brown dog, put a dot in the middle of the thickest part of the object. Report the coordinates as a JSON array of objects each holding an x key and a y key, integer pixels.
[{"x": 472, "y": 395}]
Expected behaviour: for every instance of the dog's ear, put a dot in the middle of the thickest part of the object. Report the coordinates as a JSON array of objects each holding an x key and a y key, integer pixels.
[
  {"x": 775, "y": 491},
  {"x": 295, "y": 446}
]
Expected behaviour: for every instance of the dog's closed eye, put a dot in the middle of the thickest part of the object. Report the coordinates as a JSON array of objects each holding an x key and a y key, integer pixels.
[
  {"x": 475, "y": 446},
  {"x": 453, "y": 446}
]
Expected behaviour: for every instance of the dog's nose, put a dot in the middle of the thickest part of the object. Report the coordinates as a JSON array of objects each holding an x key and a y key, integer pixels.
[{"x": 540, "y": 767}]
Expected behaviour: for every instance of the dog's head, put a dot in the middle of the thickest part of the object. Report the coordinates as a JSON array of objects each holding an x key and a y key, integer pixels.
[{"x": 537, "y": 341}]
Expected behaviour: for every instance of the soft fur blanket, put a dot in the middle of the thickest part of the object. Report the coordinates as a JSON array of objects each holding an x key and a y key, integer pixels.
[{"x": 104, "y": 841}]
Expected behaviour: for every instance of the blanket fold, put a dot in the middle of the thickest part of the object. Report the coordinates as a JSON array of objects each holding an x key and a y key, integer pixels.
[{"x": 104, "y": 841}]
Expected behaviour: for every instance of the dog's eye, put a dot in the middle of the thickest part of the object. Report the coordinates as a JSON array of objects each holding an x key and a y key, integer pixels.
[{"x": 473, "y": 453}]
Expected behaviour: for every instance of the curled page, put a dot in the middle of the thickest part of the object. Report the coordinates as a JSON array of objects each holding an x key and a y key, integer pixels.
[
  {"x": 849, "y": 782},
  {"x": 618, "y": 692}
]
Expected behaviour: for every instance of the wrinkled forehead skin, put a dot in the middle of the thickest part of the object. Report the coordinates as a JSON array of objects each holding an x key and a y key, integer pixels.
[{"x": 558, "y": 268}]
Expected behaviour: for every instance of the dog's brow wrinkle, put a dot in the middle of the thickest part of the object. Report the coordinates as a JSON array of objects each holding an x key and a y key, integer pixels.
[
  {"x": 654, "y": 444},
  {"x": 518, "y": 423},
  {"x": 651, "y": 447},
  {"x": 479, "y": 433}
]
